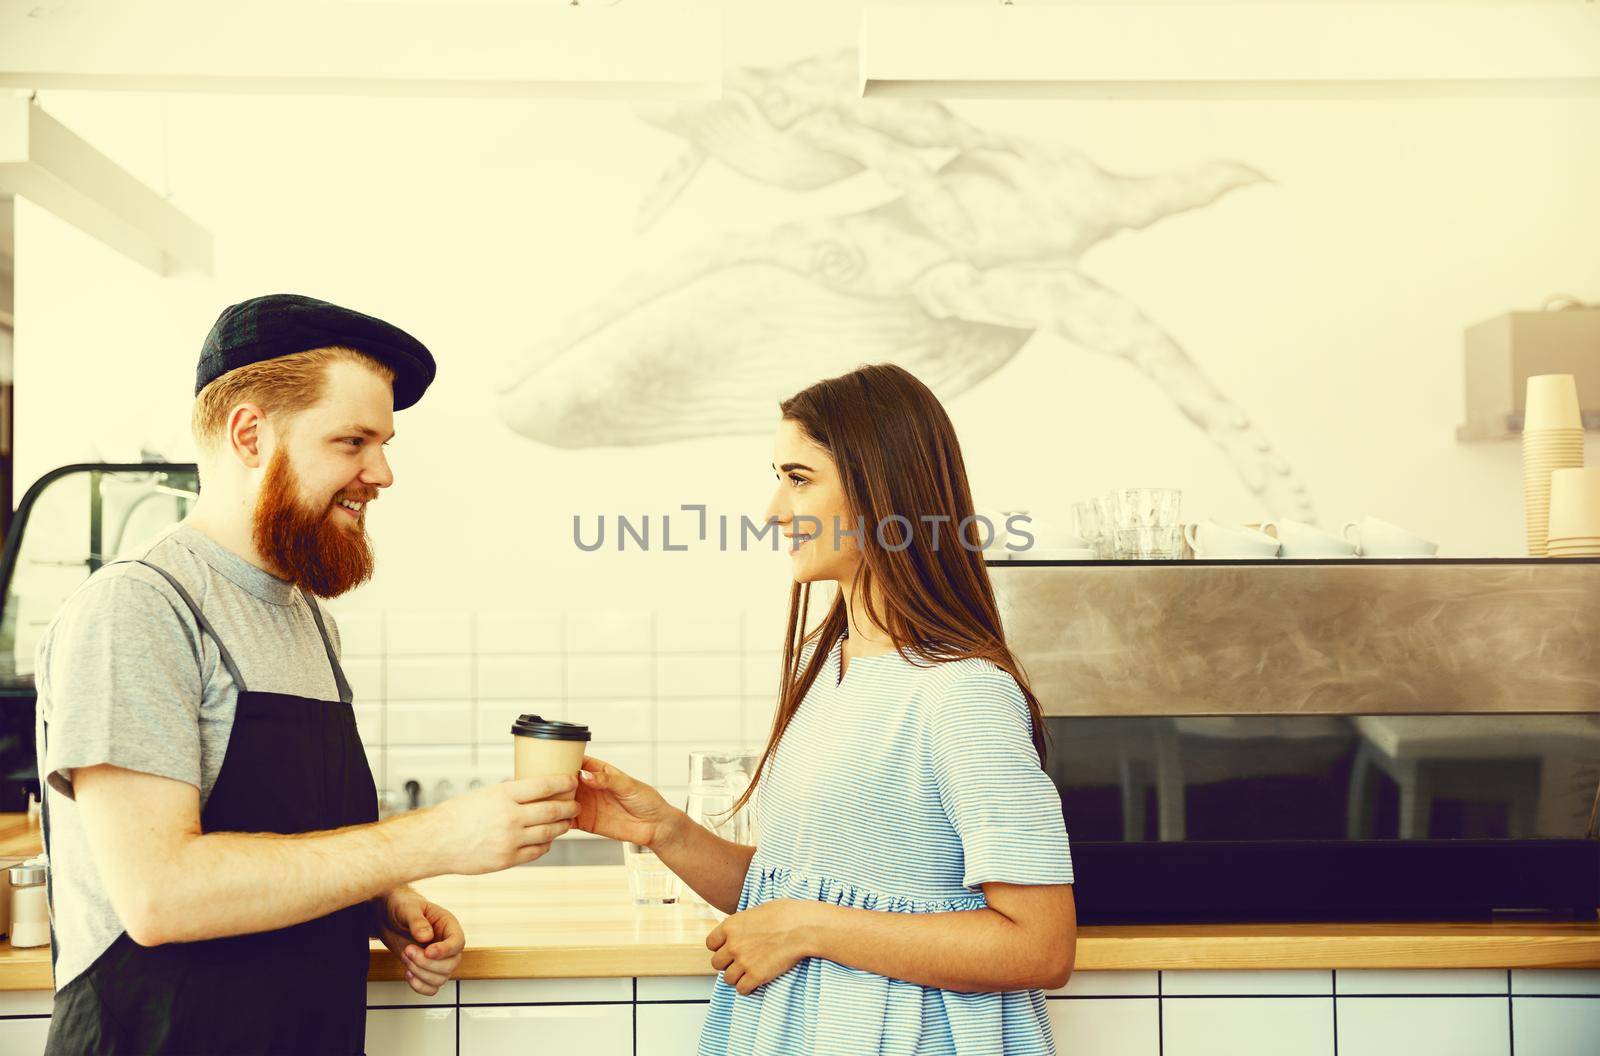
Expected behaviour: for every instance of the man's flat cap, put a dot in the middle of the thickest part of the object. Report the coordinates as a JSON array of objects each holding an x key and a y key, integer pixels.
[{"x": 281, "y": 324}]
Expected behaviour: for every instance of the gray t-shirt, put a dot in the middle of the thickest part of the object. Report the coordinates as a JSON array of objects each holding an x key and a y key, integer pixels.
[{"x": 125, "y": 677}]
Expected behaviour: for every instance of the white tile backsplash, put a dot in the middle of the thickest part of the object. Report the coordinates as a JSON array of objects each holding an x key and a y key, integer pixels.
[
  {"x": 609, "y": 676},
  {"x": 697, "y": 676},
  {"x": 515, "y": 677},
  {"x": 610, "y": 631},
  {"x": 635, "y": 760},
  {"x": 631, "y": 719},
  {"x": 432, "y": 723},
  {"x": 496, "y": 716},
  {"x": 369, "y": 723},
  {"x": 688, "y": 721},
  {"x": 428, "y": 633},
  {"x": 437, "y": 692},
  {"x": 763, "y": 628},
  {"x": 756, "y": 722},
  {"x": 699, "y": 631},
  {"x": 428, "y": 678},
  {"x": 762, "y": 672},
  {"x": 360, "y": 634},
  {"x": 365, "y": 676},
  {"x": 521, "y": 632}
]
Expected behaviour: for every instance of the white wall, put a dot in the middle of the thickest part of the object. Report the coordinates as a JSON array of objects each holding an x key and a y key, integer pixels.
[{"x": 1328, "y": 304}]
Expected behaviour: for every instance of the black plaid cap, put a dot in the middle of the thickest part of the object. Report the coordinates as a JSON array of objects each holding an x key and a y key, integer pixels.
[{"x": 281, "y": 324}]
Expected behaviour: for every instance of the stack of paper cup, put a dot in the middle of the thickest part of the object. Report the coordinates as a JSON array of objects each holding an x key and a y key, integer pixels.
[
  {"x": 1575, "y": 513},
  {"x": 1552, "y": 439}
]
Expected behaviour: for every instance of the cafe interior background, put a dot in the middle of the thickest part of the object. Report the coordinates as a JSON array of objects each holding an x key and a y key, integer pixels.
[{"x": 1260, "y": 301}]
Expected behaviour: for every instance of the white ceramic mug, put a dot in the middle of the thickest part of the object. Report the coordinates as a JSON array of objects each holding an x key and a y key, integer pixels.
[
  {"x": 1301, "y": 540},
  {"x": 1213, "y": 539},
  {"x": 1377, "y": 538}
]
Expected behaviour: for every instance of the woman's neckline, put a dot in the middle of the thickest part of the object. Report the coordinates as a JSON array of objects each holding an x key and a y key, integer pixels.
[{"x": 838, "y": 658}]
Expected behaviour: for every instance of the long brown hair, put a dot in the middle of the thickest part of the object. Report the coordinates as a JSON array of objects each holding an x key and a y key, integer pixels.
[{"x": 898, "y": 458}]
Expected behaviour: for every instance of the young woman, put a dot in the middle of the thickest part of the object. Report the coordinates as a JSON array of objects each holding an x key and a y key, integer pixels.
[{"x": 911, "y": 893}]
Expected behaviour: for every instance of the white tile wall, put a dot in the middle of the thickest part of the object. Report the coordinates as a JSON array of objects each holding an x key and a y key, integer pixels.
[
  {"x": 609, "y": 676},
  {"x": 1247, "y": 1026},
  {"x": 412, "y": 1031},
  {"x": 1437, "y": 1026},
  {"x": 1419, "y": 981},
  {"x": 544, "y": 991},
  {"x": 1559, "y": 981},
  {"x": 676, "y": 988},
  {"x": 360, "y": 634},
  {"x": 514, "y": 677},
  {"x": 1175, "y": 983},
  {"x": 1107, "y": 1026},
  {"x": 594, "y": 1030},
  {"x": 439, "y": 691},
  {"x": 669, "y": 1030},
  {"x": 395, "y": 992},
  {"x": 697, "y": 676},
  {"x": 428, "y": 678},
  {"x": 1108, "y": 984},
  {"x": 698, "y": 721},
  {"x": 699, "y": 631},
  {"x": 428, "y": 633},
  {"x": 1556, "y": 1026},
  {"x": 610, "y": 632},
  {"x": 409, "y": 723},
  {"x": 520, "y": 633}
]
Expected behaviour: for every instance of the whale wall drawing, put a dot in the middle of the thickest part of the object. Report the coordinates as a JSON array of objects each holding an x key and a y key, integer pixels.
[{"x": 978, "y": 249}]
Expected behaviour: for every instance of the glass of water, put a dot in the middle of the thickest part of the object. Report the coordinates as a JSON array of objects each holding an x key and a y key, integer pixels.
[{"x": 651, "y": 882}]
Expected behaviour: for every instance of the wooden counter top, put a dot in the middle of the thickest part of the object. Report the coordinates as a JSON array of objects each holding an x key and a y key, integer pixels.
[
  {"x": 577, "y": 922},
  {"x": 17, "y": 840}
]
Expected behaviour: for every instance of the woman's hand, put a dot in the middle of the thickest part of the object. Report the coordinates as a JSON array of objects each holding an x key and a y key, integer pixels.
[
  {"x": 423, "y": 936},
  {"x": 610, "y": 803},
  {"x": 753, "y": 948}
]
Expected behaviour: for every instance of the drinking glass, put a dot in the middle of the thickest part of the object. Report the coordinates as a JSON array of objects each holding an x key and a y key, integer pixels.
[
  {"x": 1086, "y": 519},
  {"x": 1149, "y": 507},
  {"x": 1149, "y": 544},
  {"x": 649, "y": 879}
]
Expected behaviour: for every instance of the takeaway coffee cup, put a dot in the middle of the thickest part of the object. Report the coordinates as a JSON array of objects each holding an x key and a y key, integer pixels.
[{"x": 546, "y": 747}]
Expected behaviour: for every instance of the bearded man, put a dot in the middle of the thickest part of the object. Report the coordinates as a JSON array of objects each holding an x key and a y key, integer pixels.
[{"x": 217, "y": 863}]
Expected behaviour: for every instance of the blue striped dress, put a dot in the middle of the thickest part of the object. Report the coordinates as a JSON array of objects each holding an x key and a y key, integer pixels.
[{"x": 900, "y": 789}]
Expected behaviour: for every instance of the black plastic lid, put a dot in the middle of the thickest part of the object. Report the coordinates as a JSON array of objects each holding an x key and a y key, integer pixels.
[{"x": 549, "y": 729}]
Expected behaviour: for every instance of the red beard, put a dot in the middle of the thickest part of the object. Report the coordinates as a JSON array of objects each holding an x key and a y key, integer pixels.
[{"x": 302, "y": 542}]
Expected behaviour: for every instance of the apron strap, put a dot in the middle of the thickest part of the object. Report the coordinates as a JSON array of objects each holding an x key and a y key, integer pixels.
[
  {"x": 50, "y": 870},
  {"x": 200, "y": 618},
  {"x": 345, "y": 695}
]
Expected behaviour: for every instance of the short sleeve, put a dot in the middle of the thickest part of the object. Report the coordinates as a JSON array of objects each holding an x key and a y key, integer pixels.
[
  {"x": 1002, "y": 804},
  {"x": 120, "y": 684}
]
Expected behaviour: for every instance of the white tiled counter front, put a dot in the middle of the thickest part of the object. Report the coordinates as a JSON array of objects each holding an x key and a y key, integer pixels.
[
  {"x": 1348, "y": 1012},
  {"x": 559, "y": 960}
]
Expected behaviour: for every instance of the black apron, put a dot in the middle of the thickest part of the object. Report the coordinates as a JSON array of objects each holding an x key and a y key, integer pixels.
[{"x": 292, "y": 765}]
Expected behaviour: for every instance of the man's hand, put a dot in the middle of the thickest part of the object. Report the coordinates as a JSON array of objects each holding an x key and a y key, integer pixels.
[
  {"x": 500, "y": 825},
  {"x": 753, "y": 948},
  {"x": 425, "y": 937}
]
